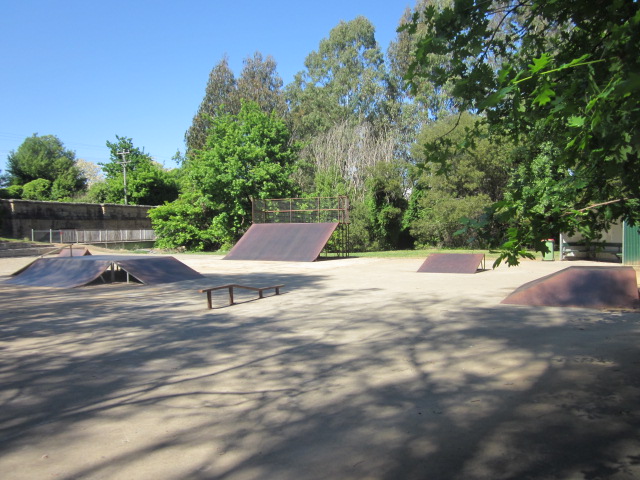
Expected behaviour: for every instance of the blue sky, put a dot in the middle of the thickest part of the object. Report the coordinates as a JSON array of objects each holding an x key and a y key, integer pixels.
[{"x": 87, "y": 71}]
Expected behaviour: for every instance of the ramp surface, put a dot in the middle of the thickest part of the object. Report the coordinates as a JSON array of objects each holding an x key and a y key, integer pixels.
[
  {"x": 452, "y": 263},
  {"x": 155, "y": 270},
  {"x": 74, "y": 252},
  {"x": 68, "y": 272},
  {"x": 586, "y": 287},
  {"x": 287, "y": 242},
  {"x": 61, "y": 272}
]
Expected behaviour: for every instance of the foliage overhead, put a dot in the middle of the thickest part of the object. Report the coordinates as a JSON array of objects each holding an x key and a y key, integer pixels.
[
  {"x": 472, "y": 180},
  {"x": 564, "y": 74}
]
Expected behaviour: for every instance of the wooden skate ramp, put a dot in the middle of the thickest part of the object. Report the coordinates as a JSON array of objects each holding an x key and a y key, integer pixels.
[
  {"x": 287, "y": 242},
  {"x": 74, "y": 252},
  {"x": 69, "y": 272},
  {"x": 154, "y": 270},
  {"x": 61, "y": 272},
  {"x": 452, "y": 263},
  {"x": 585, "y": 287}
]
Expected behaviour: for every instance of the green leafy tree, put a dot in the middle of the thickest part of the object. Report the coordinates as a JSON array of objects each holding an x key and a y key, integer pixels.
[
  {"x": 471, "y": 180},
  {"x": 38, "y": 189},
  {"x": 258, "y": 82},
  {"x": 246, "y": 155},
  {"x": 385, "y": 203},
  {"x": 45, "y": 157},
  {"x": 566, "y": 73},
  {"x": 219, "y": 97},
  {"x": 147, "y": 182},
  {"x": 345, "y": 79}
]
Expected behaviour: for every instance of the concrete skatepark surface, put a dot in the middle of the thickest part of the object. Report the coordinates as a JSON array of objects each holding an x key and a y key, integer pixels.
[{"x": 361, "y": 369}]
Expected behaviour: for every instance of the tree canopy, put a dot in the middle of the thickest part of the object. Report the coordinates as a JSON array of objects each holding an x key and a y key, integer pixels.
[
  {"x": 246, "y": 155},
  {"x": 564, "y": 74},
  {"x": 345, "y": 79},
  {"x": 147, "y": 182},
  {"x": 45, "y": 158},
  {"x": 259, "y": 82}
]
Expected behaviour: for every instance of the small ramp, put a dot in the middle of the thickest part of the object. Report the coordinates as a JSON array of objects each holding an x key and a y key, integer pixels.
[
  {"x": 452, "y": 263},
  {"x": 74, "y": 252},
  {"x": 583, "y": 287},
  {"x": 286, "y": 242},
  {"x": 156, "y": 270},
  {"x": 60, "y": 272},
  {"x": 69, "y": 272}
]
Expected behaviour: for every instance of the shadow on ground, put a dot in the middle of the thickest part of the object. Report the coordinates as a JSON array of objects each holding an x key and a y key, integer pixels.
[{"x": 119, "y": 381}]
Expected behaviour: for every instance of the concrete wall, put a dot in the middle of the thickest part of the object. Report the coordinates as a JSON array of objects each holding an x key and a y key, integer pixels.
[{"x": 18, "y": 217}]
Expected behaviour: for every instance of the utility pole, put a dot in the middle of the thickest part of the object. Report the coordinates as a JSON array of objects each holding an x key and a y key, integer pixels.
[{"x": 124, "y": 163}]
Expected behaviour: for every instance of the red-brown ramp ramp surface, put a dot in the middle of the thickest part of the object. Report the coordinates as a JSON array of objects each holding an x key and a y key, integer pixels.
[
  {"x": 581, "y": 286},
  {"x": 62, "y": 272},
  {"x": 154, "y": 270},
  {"x": 452, "y": 263},
  {"x": 68, "y": 272},
  {"x": 287, "y": 242}
]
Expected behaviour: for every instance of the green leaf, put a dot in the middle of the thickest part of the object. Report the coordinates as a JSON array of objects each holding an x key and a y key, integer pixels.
[
  {"x": 575, "y": 121},
  {"x": 545, "y": 95},
  {"x": 539, "y": 63},
  {"x": 495, "y": 98}
]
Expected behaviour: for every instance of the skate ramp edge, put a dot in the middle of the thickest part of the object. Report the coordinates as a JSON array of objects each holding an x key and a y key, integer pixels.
[
  {"x": 582, "y": 287},
  {"x": 287, "y": 242}
]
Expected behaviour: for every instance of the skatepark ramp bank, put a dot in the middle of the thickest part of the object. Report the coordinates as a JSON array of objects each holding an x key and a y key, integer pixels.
[{"x": 69, "y": 272}]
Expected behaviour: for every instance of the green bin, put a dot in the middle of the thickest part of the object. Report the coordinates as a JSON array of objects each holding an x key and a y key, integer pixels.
[{"x": 549, "y": 256}]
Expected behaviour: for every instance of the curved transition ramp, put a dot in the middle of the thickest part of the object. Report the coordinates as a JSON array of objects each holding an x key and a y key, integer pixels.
[
  {"x": 71, "y": 272},
  {"x": 453, "y": 263},
  {"x": 287, "y": 242},
  {"x": 586, "y": 287}
]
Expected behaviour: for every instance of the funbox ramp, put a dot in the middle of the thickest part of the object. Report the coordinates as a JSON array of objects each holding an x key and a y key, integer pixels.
[
  {"x": 287, "y": 242},
  {"x": 585, "y": 287},
  {"x": 452, "y": 263},
  {"x": 68, "y": 272},
  {"x": 74, "y": 252}
]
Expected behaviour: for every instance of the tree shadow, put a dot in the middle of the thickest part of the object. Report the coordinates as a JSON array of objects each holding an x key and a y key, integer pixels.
[{"x": 363, "y": 385}]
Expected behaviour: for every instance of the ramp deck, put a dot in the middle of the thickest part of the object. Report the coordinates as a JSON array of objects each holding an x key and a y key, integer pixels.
[
  {"x": 287, "y": 242},
  {"x": 69, "y": 272},
  {"x": 452, "y": 263},
  {"x": 585, "y": 287}
]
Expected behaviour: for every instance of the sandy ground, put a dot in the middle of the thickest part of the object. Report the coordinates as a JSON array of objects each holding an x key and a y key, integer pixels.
[{"x": 361, "y": 369}]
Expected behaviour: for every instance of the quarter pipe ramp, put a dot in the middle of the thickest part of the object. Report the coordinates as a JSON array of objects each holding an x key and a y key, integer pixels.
[
  {"x": 586, "y": 287},
  {"x": 288, "y": 242}
]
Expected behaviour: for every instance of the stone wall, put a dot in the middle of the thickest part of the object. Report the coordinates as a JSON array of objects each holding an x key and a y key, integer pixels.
[{"x": 19, "y": 217}]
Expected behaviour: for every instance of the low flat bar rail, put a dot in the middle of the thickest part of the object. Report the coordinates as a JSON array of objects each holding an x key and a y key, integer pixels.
[{"x": 231, "y": 286}]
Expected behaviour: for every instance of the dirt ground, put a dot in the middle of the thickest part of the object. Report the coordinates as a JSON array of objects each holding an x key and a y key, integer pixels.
[{"x": 361, "y": 369}]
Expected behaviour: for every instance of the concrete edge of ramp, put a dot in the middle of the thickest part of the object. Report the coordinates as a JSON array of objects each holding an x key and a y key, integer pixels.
[
  {"x": 286, "y": 242},
  {"x": 452, "y": 263},
  {"x": 582, "y": 287}
]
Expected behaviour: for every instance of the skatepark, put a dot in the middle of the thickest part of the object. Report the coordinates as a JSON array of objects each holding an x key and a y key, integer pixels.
[{"x": 360, "y": 368}]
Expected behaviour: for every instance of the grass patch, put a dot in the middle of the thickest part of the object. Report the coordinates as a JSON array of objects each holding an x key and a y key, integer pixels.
[{"x": 421, "y": 253}]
